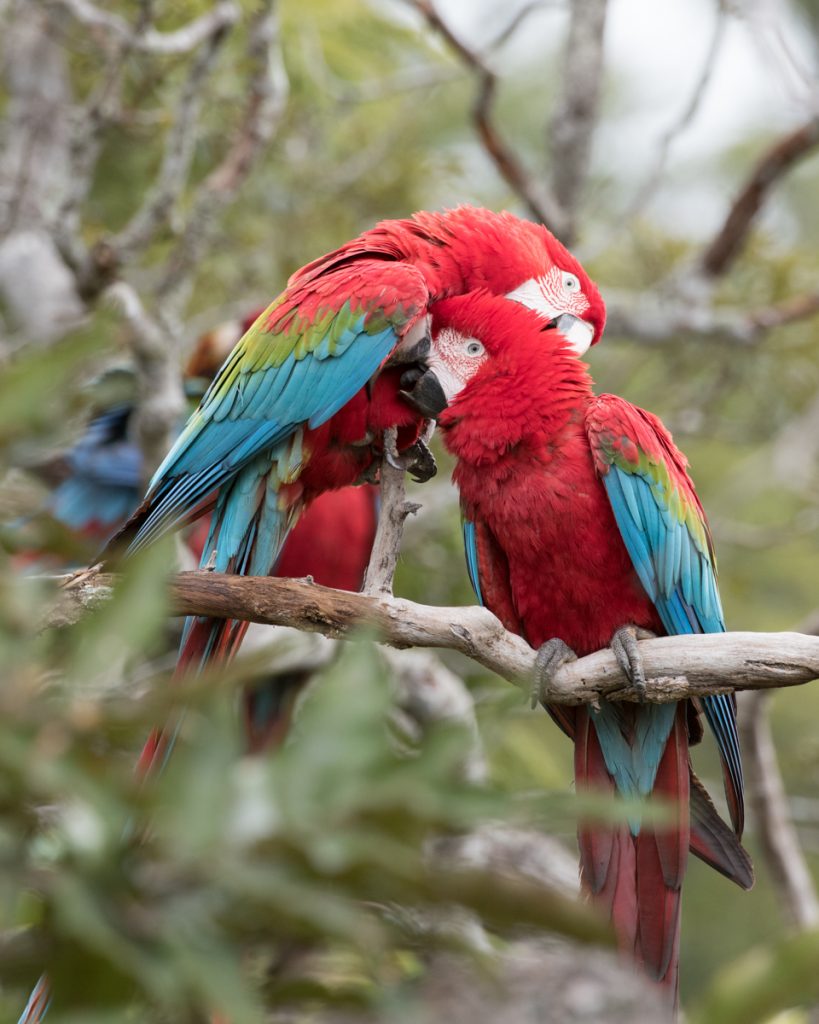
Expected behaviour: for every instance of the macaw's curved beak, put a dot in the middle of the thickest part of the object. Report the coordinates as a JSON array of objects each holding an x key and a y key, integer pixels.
[
  {"x": 579, "y": 333},
  {"x": 422, "y": 389}
]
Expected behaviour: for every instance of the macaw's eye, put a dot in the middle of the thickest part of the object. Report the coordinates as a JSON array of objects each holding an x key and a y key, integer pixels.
[
  {"x": 474, "y": 348},
  {"x": 570, "y": 282}
]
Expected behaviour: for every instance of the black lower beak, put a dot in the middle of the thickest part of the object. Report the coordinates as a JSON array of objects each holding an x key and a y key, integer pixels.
[{"x": 423, "y": 392}]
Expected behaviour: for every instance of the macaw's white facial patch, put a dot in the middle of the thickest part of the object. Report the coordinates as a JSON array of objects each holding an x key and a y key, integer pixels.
[
  {"x": 558, "y": 291},
  {"x": 455, "y": 358}
]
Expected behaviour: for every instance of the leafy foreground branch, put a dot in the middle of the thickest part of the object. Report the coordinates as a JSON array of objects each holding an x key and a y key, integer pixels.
[{"x": 676, "y": 667}]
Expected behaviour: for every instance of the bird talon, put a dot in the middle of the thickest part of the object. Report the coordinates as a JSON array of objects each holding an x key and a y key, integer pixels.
[
  {"x": 421, "y": 466},
  {"x": 417, "y": 460},
  {"x": 624, "y": 646},
  {"x": 550, "y": 657}
]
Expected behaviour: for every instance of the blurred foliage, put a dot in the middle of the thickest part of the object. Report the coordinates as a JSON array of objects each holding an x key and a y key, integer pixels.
[
  {"x": 182, "y": 894},
  {"x": 246, "y": 863}
]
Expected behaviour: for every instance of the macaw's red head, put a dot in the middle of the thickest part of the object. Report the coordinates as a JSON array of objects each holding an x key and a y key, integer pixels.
[
  {"x": 524, "y": 262},
  {"x": 211, "y": 350},
  {"x": 500, "y": 356}
]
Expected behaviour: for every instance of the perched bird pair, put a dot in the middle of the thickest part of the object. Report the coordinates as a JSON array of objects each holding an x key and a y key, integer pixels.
[{"x": 581, "y": 525}]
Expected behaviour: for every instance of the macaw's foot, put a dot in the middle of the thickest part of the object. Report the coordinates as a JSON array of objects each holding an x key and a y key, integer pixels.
[
  {"x": 627, "y": 652},
  {"x": 417, "y": 460},
  {"x": 550, "y": 657}
]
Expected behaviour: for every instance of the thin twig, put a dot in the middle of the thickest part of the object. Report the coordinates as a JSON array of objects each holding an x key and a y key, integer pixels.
[
  {"x": 540, "y": 202},
  {"x": 514, "y": 23},
  {"x": 657, "y": 318},
  {"x": 774, "y": 164},
  {"x": 673, "y": 132},
  {"x": 179, "y": 41},
  {"x": 676, "y": 666},
  {"x": 393, "y": 511}
]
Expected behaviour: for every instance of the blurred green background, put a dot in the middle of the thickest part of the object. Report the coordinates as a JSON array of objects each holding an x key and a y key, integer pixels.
[{"x": 376, "y": 124}]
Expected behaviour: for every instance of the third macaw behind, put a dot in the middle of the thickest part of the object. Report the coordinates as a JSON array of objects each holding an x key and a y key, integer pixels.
[{"x": 582, "y": 529}]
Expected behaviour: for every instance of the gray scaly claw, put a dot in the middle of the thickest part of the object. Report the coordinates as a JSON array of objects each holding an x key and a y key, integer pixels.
[
  {"x": 550, "y": 657},
  {"x": 417, "y": 460},
  {"x": 626, "y": 650}
]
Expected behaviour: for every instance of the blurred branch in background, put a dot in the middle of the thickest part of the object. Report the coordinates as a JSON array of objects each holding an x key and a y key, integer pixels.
[
  {"x": 769, "y": 170},
  {"x": 772, "y": 818},
  {"x": 773, "y": 824},
  {"x": 539, "y": 200},
  {"x": 576, "y": 110}
]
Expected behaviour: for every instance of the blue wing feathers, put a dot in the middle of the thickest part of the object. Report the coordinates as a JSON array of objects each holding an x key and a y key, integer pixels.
[
  {"x": 262, "y": 407},
  {"x": 678, "y": 575}
]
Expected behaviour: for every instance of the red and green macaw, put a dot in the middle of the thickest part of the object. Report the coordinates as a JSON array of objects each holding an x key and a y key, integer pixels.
[
  {"x": 582, "y": 529},
  {"x": 301, "y": 404}
]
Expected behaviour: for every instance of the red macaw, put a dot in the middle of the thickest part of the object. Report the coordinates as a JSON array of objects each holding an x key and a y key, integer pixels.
[
  {"x": 301, "y": 404},
  {"x": 582, "y": 527}
]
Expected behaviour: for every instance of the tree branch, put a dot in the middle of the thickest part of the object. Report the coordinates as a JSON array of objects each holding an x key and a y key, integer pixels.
[
  {"x": 779, "y": 159},
  {"x": 179, "y": 41},
  {"x": 776, "y": 831},
  {"x": 575, "y": 114},
  {"x": 161, "y": 399},
  {"x": 658, "y": 319},
  {"x": 394, "y": 510},
  {"x": 179, "y": 148},
  {"x": 676, "y": 667}
]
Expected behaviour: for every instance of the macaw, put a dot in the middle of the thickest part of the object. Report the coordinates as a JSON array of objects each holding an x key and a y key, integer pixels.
[
  {"x": 301, "y": 404},
  {"x": 582, "y": 529}
]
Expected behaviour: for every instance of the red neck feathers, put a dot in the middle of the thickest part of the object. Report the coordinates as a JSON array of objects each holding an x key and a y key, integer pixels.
[{"x": 530, "y": 389}]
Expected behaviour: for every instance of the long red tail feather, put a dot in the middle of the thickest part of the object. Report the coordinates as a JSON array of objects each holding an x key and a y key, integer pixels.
[{"x": 638, "y": 878}]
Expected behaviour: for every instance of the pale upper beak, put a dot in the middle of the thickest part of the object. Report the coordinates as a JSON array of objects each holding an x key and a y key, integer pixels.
[{"x": 579, "y": 333}]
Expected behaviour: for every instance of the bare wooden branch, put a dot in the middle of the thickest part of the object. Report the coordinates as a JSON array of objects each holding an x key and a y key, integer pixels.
[
  {"x": 180, "y": 41},
  {"x": 676, "y": 666},
  {"x": 394, "y": 510},
  {"x": 775, "y": 829},
  {"x": 540, "y": 202},
  {"x": 774, "y": 164},
  {"x": 576, "y": 109}
]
